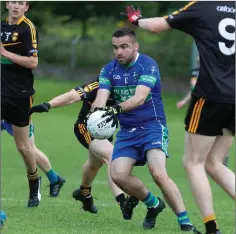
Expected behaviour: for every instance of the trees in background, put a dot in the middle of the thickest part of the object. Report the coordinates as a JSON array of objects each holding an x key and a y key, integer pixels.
[{"x": 60, "y": 23}]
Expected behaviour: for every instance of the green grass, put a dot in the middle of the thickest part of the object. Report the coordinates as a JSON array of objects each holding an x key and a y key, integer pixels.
[{"x": 55, "y": 137}]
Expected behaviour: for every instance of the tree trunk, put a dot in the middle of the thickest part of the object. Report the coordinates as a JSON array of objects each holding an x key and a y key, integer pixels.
[{"x": 84, "y": 29}]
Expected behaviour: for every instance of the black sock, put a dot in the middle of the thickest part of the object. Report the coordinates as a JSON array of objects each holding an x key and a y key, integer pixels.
[
  {"x": 85, "y": 191},
  {"x": 33, "y": 177},
  {"x": 120, "y": 199},
  {"x": 211, "y": 226}
]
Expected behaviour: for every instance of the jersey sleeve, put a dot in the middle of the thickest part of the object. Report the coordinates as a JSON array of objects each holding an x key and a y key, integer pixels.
[
  {"x": 185, "y": 19},
  {"x": 150, "y": 75},
  {"x": 88, "y": 91},
  {"x": 31, "y": 40},
  {"x": 104, "y": 78}
]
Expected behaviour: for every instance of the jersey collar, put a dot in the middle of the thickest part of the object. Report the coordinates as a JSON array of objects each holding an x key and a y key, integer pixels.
[{"x": 19, "y": 21}]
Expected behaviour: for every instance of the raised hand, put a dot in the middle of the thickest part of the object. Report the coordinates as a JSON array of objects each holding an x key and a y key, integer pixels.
[{"x": 133, "y": 15}]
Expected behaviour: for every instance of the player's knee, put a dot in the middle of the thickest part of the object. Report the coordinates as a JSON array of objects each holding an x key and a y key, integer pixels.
[
  {"x": 107, "y": 158},
  {"x": 25, "y": 149},
  {"x": 160, "y": 177},
  {"x": 188, "y": 164},
  {"x": 211, "y": 166},
  {"x": 118, "y": 178},
  {"x": 92, "y": 166}
]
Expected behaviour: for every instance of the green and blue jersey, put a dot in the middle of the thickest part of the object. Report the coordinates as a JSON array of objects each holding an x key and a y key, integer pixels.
[{"x": 122, "y": 80}]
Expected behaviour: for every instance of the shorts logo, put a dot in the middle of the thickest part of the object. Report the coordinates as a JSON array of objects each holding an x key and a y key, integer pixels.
[{"x": 156, "y": 143}]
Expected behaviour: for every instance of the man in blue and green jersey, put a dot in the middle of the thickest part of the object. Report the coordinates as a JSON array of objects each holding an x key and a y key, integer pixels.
[{"x": 133, "y": 81}]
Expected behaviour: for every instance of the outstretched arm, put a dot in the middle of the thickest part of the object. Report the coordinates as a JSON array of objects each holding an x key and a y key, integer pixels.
[
  {"x": 155, "y": 25},
  {"x": 84, "y": 92},
  {"x": 59, "y": 101},
  {"x": 184, "y": 19},
  {"x": 65, "y": 99}
]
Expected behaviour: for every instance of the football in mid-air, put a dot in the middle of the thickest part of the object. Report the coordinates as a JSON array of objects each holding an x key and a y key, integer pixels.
[{"x": 98, "y": 126}]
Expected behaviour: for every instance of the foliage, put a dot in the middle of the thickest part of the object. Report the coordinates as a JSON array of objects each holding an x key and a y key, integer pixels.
[
  {"x": 171, "y": 50},
  {"x": 59, "y": 23}
]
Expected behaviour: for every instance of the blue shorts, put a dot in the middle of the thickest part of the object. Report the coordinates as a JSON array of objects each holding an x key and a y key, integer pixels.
[
  {"x": 135, "y": 142},
  {"x": 5, "y": 125}
]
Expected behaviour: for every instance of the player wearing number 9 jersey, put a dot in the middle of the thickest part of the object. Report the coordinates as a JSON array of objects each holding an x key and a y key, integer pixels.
[{"x": 210, "y": 120}]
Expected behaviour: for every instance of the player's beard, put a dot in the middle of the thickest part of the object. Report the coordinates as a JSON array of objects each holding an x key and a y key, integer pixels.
[
  {"x": 124, "y": 61},
  {"x": 121, "y": 61}
]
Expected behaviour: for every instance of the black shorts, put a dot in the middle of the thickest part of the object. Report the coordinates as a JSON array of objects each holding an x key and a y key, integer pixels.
[
  {"x": 83, "y": 136},
  {"x": 209, "y": 118},
  {"x": 16, "y": 110}
]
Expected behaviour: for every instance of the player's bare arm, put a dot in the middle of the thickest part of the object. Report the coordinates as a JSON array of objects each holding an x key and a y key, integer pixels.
[
  {"x": 59, "y": 101},
  {"x": 24, "y": 61},
  {"x": 101, "y": 98},
  {"x": 184, "y": 101},
  {"x": 138, "y": 99},
  {"x": 65, "y": 99},
  {"x": 155, "y": 25}
]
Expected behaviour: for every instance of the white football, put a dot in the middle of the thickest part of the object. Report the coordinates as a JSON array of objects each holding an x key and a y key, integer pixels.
[{"x": 97, "y": 126}]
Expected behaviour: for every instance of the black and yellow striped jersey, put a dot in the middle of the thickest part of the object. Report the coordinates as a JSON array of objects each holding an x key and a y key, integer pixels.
[
  {"x": 212, "y": 25},
  {"x": 88, "y": 94},
  {"x": 22, "y": 39}
]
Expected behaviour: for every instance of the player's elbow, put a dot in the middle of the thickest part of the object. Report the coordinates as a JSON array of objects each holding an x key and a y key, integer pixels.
[
  {"x": 153, "y": 29},
  {"x": 140, "y": 101},
  {"x": 33, "y": 66},
  {"x": 73, "y": 96},
  {"x": 160, "y": 25},
  {"x": 33, "y": 63}
]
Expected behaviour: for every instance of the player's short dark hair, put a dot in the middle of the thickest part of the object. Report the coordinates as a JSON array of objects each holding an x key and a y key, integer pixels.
[{"x": 121, "y": 32}]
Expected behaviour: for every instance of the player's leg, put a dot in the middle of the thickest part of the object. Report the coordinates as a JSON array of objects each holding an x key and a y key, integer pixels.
[
  {"x": 16, "y": 112},
  {"x": 126, "y": 154},
  {"x": 28, "y": 153},
  {"x": 24, "y": 147},
  {"x": 2, "y": 213},
  {"x": 222, "y": 175},
  {"x": 156, "y": 159},
  {"x": 103, "y": 151},
  {"x": 197, "y": 147},
  {"x": 56, "y": 181},
  {"x": 204, "y": 121},
  {"x": 121, "y": 171},
  {"x": 100, "y": 152},
  {"x": 89, "y": 172},
  {"x": 226, "y": 160}
]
